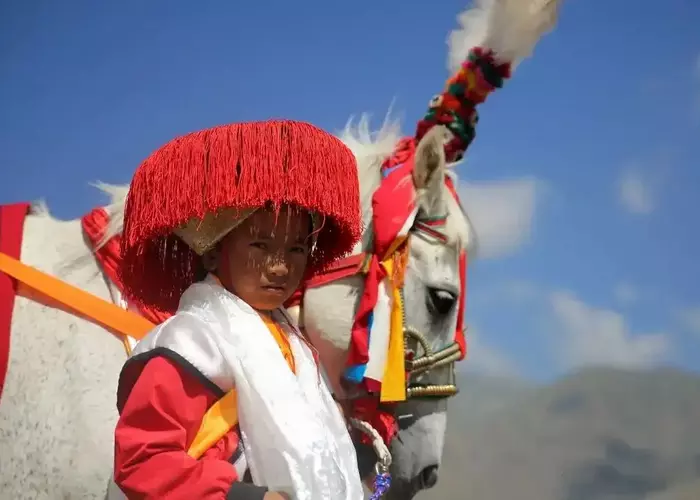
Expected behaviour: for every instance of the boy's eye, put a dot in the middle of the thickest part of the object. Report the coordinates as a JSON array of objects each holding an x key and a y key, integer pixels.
[
  {"x": 299, "y": 249},
  {"x": 259, "y": 244}
]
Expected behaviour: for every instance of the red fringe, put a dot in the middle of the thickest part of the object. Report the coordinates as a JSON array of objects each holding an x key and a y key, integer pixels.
[
  {"x": 382, "y": 419},
  {"x": 233, "y": 166}
]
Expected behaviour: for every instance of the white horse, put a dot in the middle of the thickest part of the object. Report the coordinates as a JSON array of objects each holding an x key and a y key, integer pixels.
[{"x": 58, "y": 413}]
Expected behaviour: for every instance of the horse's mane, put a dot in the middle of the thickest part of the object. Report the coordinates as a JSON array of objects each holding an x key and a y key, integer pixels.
[
  {"x": 370, "y": 150},
  {"x": 116, "y": 193}
]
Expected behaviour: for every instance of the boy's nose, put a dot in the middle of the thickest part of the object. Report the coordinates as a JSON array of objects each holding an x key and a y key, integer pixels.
[{"x": 278, "y": 267}]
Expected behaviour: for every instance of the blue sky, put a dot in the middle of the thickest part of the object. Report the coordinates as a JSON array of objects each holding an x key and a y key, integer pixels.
[{"x": 597, "y": 137}]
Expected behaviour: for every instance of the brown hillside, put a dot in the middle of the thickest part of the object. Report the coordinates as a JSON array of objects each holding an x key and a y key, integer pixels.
[{"x": 597, "y": 435}]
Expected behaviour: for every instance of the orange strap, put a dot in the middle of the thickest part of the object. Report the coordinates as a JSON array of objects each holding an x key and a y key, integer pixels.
[
  {"x": 53, "y": 292},
  {"x": 222, "y": 416}
]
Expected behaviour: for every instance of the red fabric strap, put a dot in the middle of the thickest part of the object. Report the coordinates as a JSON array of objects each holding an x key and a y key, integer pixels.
[
  {"x": 109, "y": 256},
  {"x": 403, "y": 153},
  {"x": 11, "y": 229},
  {"x": 463, "y": 261},
  {"x": 392, "y": 204},
  {"x": 349, "y": 266},
  {"x": 344, "y": 268}
]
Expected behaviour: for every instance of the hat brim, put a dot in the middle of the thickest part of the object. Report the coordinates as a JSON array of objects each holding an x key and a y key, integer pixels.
[{"x": 202, "y": 234}]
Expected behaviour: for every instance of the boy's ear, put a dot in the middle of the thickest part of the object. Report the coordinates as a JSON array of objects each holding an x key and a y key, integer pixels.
[
  {"x": 210, "y": 260},
  {"x": 317, "y": 221}
]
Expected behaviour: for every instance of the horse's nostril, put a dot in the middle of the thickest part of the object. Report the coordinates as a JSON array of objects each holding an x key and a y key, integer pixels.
[
  {"x": 441, "y": 300},
  {"x": 429, "y": 476}
]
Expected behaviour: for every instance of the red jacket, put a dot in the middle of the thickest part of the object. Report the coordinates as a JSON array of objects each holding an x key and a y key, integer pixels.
[{"x": 161, "y": 400}]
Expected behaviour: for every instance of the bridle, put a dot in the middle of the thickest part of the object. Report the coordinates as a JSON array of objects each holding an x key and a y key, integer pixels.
[
  {"x": 428, "y": 360},
  {"x": 445, "y": 357},
  {"x": 420, "y": 357}
]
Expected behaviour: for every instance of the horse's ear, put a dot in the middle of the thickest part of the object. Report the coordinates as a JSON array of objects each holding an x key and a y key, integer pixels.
[{"x": 430, "y": 161}]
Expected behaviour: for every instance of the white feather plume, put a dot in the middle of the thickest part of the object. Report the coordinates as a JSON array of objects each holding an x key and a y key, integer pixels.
[{"x": 511, "y": 28}]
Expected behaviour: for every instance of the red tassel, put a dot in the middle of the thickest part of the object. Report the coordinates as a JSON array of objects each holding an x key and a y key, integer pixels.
[
  {"x": 383, "y": 421},
  {"x": 233, "y": 166}
]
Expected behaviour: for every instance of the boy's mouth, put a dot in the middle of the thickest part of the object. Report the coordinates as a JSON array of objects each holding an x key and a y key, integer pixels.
[{"x": 276, "y": 289}]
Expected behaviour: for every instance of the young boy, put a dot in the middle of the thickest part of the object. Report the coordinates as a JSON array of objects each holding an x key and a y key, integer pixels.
[{"x": 221, "y": 226}]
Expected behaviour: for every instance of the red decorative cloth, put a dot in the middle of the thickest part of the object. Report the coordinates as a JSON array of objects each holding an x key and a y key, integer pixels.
[
  {"x": 393, "y": 205},
  {"x": 11, "y": 231},
  {"x": 109, "y": 256}
]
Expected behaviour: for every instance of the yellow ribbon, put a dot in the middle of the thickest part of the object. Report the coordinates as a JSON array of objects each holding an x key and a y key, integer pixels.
[{"x": 394, "y": 379}]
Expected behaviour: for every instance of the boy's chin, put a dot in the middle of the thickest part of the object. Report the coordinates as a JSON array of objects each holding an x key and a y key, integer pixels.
[{"x": 269, "y": 300}]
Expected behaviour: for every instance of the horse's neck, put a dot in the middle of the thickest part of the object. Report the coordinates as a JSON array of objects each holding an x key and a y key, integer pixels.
[
  {"x": 59, "y": 248},
  {"x": 370, "y": 180}
]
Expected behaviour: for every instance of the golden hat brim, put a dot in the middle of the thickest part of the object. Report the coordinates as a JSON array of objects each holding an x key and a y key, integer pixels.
[{"x": 202, "y": 234}]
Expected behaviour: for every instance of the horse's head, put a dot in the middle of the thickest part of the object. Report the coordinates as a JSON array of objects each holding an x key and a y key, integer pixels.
[
  {"x": 432, "y": 301},
  {"x": 439, "y": 234}
]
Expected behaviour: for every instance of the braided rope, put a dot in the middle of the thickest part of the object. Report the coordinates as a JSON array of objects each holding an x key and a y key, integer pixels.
[{"x": 382, "y": 478}]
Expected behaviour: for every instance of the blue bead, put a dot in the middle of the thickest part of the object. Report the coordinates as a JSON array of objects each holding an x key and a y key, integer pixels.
[{"x": 382, "y": 482}]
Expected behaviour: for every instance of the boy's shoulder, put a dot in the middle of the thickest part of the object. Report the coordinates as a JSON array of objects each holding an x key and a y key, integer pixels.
[{"x": 190, "y": 340}]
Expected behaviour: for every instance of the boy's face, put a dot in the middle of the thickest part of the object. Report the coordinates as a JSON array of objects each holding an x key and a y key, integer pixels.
[{"x": 263, "y": 260}]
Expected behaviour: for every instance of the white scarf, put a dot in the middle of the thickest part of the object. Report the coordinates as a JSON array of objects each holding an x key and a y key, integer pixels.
[{"x": 294, "y": 436}]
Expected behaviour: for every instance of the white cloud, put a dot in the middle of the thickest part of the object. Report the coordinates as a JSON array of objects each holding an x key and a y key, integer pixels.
[
  {"x": 636, "y": 194},
  {"x": 486, "y": 360},
  {"x": 689, "y": 318},
  {"x": 502, "y": 214},
  {"x": 593, "y": 336},
  {"x": 521, "y": 291},
  {"x": 626, "y": 294}
]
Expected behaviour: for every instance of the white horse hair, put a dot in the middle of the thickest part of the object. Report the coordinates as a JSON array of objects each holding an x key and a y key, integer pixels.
[{"x": 58, "y": 408}]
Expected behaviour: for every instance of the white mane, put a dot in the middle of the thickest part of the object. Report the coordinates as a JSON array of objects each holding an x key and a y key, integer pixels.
[
  {"x": 370, "y": 150},
  {"x": 117, "y": 199}
]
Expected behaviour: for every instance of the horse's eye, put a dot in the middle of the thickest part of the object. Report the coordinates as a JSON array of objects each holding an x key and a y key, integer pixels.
[{"x": 441, "y": 301}]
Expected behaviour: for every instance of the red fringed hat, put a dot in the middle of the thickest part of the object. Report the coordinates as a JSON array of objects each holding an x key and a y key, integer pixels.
[{"x": 188, "y": 194}]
